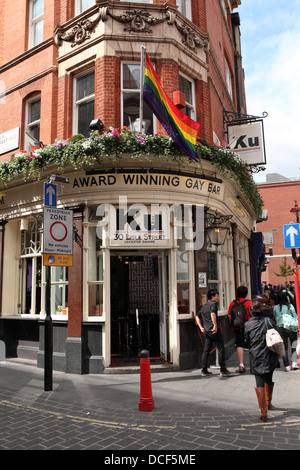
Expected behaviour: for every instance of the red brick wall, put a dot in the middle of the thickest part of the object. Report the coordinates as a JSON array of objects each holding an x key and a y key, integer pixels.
[{"x": 56, "y": 122}]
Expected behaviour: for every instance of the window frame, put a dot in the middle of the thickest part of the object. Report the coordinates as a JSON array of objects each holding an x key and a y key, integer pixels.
[
  {"x": 86, "y": 99},
  {"x": 30, "y": 124},
  {"x": 79, "y": 8},
  {"x": 136, "y": 91},
  {"x": 190, "y": 106},
  {"x": 33, "y": 21},
  {"x": 185, "y": 9}
]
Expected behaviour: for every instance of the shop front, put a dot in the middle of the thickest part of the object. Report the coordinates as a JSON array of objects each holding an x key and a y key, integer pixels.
[{"x": 142, "y": 264}]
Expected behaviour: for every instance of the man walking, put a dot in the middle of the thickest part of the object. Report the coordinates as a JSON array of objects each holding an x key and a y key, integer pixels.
[{"x": 207, "y": 320}]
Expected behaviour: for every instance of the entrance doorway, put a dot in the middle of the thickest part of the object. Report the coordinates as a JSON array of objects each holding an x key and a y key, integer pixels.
[{"x": 139, "y": 305}]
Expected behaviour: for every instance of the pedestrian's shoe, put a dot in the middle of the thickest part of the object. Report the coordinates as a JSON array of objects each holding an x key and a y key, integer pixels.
[
  {"x": 288, "y": 368},
  {"x": 241, "y": 369},
  {"x": 225, "y": 373},
  {"x": 269, "y": 394},
  {"x": 295, "y": 366},
  {"x": 262, "y": 403},
  {"x": 205, "y": 373}
]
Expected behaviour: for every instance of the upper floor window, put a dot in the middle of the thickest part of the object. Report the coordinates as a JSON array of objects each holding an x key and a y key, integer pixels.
[
  {"x": 184, "y": 6},
  {"x": 131, "y": 101},
  {"x": 82, "y": 5},
  {"x": 228, "y": 78},
  {"x": 36, "y": 22},
  {"x": 32, "y": 120},
  {"x": 186, "y": 86},
  {"x": 84, "y": 102}
]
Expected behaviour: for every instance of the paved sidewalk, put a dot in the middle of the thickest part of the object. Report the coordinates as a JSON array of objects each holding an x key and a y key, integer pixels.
[{"x": 100, "y": 412}]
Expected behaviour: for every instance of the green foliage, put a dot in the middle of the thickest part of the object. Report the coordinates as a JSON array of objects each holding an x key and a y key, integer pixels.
[
  {"x": 80, "y": 152},
  {"x": 285, "y": 269}
]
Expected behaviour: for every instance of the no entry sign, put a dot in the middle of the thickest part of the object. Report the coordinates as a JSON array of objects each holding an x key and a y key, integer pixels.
[{"x": 57, "y": 235}]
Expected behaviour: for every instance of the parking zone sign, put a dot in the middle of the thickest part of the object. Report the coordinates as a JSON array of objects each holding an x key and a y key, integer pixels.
[{"x": 57, "y": 237}]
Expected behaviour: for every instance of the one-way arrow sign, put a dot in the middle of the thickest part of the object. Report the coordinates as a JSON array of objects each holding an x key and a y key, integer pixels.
[
  {"x": 291, "y": 235},
  {"x": 50, "y": 194}
]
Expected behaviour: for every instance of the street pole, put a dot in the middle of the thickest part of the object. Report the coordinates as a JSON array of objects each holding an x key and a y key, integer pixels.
[
  {"x": 48, "y": 336},
  {"x": 296, "y": 210}
]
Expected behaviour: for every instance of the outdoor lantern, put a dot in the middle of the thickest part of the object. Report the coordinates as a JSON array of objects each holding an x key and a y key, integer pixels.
[
  {"x": 96, "y": 125},
  {"x": 217, "y": 229}
]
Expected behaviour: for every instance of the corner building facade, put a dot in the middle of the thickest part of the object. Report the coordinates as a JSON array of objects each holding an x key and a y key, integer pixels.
[{"x": 76, "y": 61}]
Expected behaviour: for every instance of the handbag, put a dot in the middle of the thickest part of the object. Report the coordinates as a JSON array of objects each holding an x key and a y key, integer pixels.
[
  {"x": 274, "y": 341},
  {"x": 289, "y": 322}
]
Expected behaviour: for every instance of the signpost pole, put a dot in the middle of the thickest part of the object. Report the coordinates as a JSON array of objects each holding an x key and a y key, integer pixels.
[
  {"x": 48, "y": 336},
  {"x": 296, "y": 210}
]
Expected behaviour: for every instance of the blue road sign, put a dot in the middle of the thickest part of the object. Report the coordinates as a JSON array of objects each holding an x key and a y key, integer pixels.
[
  {"x": 50, "y": 198},
  {"x": 291, "y": 235}
]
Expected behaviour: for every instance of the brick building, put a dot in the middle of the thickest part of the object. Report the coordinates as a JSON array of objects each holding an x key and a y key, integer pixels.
[
  {"x": 64, "y": 64},
  {"x": 280, "y": 195}
]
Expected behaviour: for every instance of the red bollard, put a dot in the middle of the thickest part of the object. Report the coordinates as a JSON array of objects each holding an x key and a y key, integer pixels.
[{"x": 146, "y": 400}]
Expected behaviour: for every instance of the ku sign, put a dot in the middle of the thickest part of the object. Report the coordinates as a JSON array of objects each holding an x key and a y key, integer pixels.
[
  {"x": 291, "y": 235},
  {"x": 247, "y": 140}
]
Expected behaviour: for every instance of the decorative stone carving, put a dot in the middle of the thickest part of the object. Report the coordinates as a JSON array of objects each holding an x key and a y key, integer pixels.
[
  {"x": 138, "y": 20},
  {"x": 190, "y": 38},
  {"x": 81, "y": 31}
]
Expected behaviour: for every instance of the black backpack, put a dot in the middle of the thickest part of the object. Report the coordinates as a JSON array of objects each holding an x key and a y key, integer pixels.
[{"x": 238, "y": 314}]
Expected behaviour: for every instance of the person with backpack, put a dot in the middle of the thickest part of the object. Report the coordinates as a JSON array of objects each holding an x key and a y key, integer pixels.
[{"x": 238, "y": 314}]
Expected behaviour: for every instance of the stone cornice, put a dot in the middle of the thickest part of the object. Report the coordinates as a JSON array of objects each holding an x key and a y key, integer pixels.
[{"x": 136, "y": 18}]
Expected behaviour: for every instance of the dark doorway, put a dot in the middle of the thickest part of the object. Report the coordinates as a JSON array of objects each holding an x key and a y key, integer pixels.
[{"x": 134, "y": 305}]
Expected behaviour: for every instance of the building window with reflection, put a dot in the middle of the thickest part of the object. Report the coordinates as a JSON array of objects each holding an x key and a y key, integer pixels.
[
  {"x": 36, "y": 22},
  {"x": 84, "y": 103},
  {"x": 131, "y": 101}
]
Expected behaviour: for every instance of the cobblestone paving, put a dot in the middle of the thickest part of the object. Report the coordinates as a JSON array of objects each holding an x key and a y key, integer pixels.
[{"x": 31, "y": 419}]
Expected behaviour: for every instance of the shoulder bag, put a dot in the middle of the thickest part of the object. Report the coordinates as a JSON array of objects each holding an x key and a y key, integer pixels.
[{"x": 274, "y": 341}]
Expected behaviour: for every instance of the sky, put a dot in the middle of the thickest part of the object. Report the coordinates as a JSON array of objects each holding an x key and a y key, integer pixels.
[{"x": 270, "y": 41}]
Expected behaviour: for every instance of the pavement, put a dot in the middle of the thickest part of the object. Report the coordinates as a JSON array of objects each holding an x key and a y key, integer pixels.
[{"x": 101, "y": 412}]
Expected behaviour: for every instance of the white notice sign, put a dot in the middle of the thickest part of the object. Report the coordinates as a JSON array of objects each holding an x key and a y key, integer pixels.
[{"x": 58, "y": 231}]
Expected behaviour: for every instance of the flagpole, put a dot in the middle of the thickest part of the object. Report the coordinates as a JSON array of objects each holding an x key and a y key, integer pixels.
[{"x": 142, "y": 77}]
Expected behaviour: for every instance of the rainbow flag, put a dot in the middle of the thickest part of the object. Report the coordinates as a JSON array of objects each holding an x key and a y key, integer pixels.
[{"x": 182, "y": 129}]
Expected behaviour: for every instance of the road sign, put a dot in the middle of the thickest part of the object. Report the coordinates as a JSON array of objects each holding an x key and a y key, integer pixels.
[
  {"x": 291, "y": 235},
  {"x": 57, "y": 233},
  {"x": 50, "y": 194}
]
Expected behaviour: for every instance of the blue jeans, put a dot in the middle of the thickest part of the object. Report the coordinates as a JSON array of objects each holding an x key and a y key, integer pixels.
[{"x": 217, "y": 340}]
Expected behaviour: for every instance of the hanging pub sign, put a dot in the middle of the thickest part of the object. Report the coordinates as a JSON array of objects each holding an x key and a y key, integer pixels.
[{"x": 247, "y": 140}]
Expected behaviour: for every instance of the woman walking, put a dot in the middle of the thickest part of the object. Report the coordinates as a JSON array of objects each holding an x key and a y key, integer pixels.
[
  {"x": 262, "y": 361},
  {"x": 283, "y": 308}
]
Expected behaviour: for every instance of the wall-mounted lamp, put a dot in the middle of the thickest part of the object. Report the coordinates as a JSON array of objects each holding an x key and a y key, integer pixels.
[
  {"x": 58, "y": 179},
  {"x": 96, "y": 125},
  {"x": 217, "y": 229}
]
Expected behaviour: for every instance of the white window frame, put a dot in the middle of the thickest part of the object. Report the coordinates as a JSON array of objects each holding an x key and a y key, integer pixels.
[
  {"x": 185, "y": 7},
  {"x": 131, "y": 90},
  {"x": 77, "y": 103},
  {"x": 28, "y": 142},
  {"x": 88, "y": 315},
  {"x": 191, "y": 106},
  {"x": 33, "y": 23},
  {"x": 228, "y": 78},
  {"x": 59, "y": 314},
  {"x": 182, "y": 228},
  {"x": 32, "y": 251},
  {"x": 225, "y": 273},
  {"x": 79, "y": 7}
]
